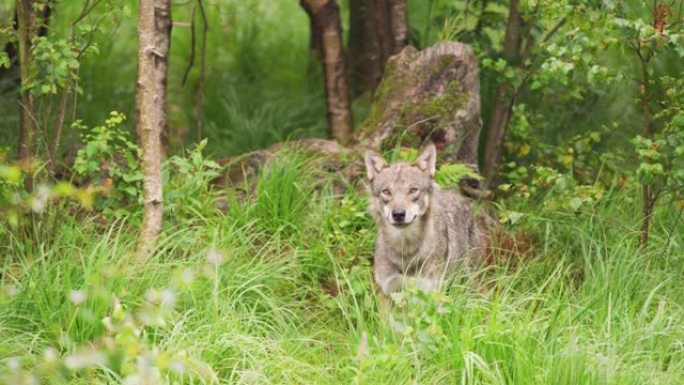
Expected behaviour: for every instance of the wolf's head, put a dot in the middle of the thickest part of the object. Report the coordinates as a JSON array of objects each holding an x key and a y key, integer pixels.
[{"x": 401, "y": 191}]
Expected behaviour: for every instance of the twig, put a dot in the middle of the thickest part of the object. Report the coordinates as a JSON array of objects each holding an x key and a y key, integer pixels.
[
  {"x": 553, "y": 30},
  {"x": 85, "y": 11},
  {"x": 59, "y": 123},
  {"x": 199, "y": 94},
  {"x": 191, "y": 60}
]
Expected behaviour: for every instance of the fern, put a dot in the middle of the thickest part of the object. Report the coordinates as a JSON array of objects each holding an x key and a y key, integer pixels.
[{"x": 450, "y": 175}]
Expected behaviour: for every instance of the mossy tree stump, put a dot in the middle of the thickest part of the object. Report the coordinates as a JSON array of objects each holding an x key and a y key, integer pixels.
[{"x": 430, "y": 95}]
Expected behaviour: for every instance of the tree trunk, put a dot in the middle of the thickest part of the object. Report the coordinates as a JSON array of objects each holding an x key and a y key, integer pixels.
[
  {"x": 199, "y": 90},
  {"x": 326, "y": 16},
  {"x": 501, "y": 111},
  {"x": 151, "y": 112},
  {"x": 378, "y": 29},
  {"x": 162, "y": 27},
  {"x": 399, "y": 25},
  {"x": 380, "y": 17},
  {"x": 430, "y": 95},
  {"x": 364, "y": 49},
  {"x": 27, "y": 128},
  {"x": 315, "y": 35},
  {"x": 57, "y": 135}
]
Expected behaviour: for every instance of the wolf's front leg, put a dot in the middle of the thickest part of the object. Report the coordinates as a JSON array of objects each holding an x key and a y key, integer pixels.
[
  {"x": 392, "y": 283},
  {"x": 387, "y": 275},
  {"x": 427, "y": 284}
]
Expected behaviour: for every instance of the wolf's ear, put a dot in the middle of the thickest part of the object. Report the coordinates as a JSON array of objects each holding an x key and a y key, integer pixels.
[
  {"x": 427, "y": 159},
  {"x": 374, "y": 164}
]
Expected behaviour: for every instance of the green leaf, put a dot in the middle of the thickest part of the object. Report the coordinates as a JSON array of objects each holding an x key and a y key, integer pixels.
[{"x": 678, "y": 120}]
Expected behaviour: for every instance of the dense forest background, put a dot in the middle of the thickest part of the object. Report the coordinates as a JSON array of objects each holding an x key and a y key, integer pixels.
[{"x": 263, "y": 276}]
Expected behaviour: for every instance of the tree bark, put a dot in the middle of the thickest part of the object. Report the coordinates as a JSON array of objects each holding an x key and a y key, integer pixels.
[
  {"x": 382, "y": 27},
  {"x": 199, "y": 91},
  {"x": 501, "y": 111},
  {"x": 57, "y": 135},
  {"x": 151, "y": 109},
  {"x": 315, "y": 35},
  {"x": 364, "y": 49},
  {"x": 399, "y": 25},
  {"x": 162, "y": 27},
  {"x": 326, "y": 16},
  {"x": 378, "y": 29},
  {"x": 27, "y": 128}
]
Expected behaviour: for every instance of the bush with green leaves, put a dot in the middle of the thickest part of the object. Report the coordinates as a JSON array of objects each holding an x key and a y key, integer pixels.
[
  {"x": 109, "y": 159},
  {"x": 187, "y": 182}
]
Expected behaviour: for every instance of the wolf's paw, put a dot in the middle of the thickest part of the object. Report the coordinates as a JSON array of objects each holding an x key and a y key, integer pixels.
[{"x": 423, "y": 284}]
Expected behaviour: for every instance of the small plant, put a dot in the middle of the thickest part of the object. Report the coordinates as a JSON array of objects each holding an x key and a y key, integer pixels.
[
  {"x": 187, "y": 187},
  {"x": 109, "y": 159}
]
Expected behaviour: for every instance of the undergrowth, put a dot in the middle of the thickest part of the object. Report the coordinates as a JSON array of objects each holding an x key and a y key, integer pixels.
[{"x": 278, "y": 290}]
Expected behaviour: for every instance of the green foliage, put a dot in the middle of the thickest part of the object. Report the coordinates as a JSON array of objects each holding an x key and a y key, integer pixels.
[
  {"x": 109, "y": 159},
  {"x": 661, "y": 159},
  {"x": 187, "y": 185},
  {"x": 57, "y": 65}
]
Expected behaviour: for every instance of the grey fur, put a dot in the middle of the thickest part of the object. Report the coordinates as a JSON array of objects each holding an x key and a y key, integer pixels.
[{"x": 439, "y": 234}]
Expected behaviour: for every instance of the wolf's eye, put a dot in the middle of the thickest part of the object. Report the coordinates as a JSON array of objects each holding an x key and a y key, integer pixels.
[
  {"x": 413, "y": 190},
  {"x": 386, "y": 192}
]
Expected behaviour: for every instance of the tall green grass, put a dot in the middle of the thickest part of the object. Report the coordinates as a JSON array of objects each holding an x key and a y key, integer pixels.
[{"x": 278, "y": 290}]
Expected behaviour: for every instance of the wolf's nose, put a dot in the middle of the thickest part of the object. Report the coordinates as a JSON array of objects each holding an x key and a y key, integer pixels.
[{"x": 398, "y": 215}]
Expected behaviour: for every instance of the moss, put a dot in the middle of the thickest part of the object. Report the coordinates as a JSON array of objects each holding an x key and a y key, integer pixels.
[{"x": 390, "y": 103}]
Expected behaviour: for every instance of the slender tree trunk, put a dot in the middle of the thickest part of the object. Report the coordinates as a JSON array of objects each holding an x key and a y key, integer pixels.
[
  {"x": 162, "y": 27},
  {"x": 151, "y": 114},
  {"x": 647, "y": 194},
  {"x": 501, "y": 111},
  {"x": 199, "y": 92},
  {"x": 57, "y": 135},
  {"x": 326, "y": 16},
  {"x": 27, "y": 129},
  {"x": 315, "y": 36}
]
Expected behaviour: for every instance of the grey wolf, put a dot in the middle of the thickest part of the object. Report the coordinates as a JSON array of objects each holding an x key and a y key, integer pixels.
[{"x": 425, "y": 233}]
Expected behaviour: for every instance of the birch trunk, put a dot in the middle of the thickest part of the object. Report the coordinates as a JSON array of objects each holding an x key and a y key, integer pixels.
[
  {"x": 162, "y": 26},
  {"x": 150, "y": 120}
]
